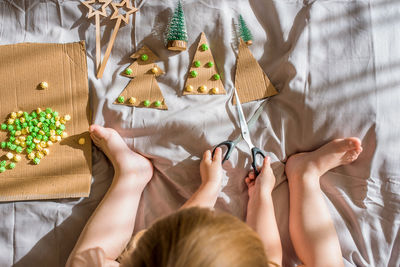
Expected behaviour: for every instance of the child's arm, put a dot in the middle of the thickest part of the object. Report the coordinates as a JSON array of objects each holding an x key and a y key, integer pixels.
[
  {"x": 211, "y": 177},
  {"x": 260, "y": 211},
  {"x": 111, "y": 225}
]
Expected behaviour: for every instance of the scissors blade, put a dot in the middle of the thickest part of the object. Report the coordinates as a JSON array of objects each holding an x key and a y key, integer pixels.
[{"x": 242, "y": 122}]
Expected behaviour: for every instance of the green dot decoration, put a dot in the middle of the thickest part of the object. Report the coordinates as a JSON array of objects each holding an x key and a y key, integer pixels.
[
  {"x": 121, "y": 99},
  {"x": 194, "y": 73},
  {"x": 197, "y": 63},
  {"x": 216, "y": 77},
  {"x": 204, "y": 47},
  {"x": 210, "y": 64},
  {"x": 128, "y": 71},
  {"x": 146, "y": 103},
  {"x": 144, "y": 57},
  {"x": 157, "y": 103}
]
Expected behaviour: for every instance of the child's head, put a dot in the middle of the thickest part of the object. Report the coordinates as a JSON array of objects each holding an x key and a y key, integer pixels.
[{"x": 198, "y": 237}]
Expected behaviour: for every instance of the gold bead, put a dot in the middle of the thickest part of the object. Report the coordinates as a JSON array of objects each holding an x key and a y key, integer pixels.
[
  {"x": 36, "y": 141},
  {"x": 64, "y": 135},
  {"x": 17, "y": 142},
  {"x": 38, "y": 110},
  {"x": 22, "y": 119},
  {"x": 46, "y": 151},
  {"x": 10, "y": 121},
  {"x": 154, "y": 70},
  {"x": 53, "y": 138},
  {"x": 9, "y": 155},
  {"x": 203, "y": 89},
  {"x": 20, "y": 113},
  {"x": 17, "y": 158},
  {"x": 67, "y": 117},
  {"x": 48, "y": 116},
  {"x": 189, "y": 88},
  {"x": 13, "y": 115},
  {"x": 43, "y": 144},
  {"x": 31, "y": 155},
  {"x": 23, "y": 144},
  {"x": 49, "y": 143},
  {"x": 215, "y": 90},
  {"x": 18, "y": 133},
  {"x": 81, "y": 141},
  {"x": 44, "y": 85},
  {"x": 39, "y": 155},
  {"x": 132, "y": 100}
]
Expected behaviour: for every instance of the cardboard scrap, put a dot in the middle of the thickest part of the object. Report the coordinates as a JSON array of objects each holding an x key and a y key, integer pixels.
[
  {"x": 250, "y": 80},
  {"x": 143, "y": 85},
  {"x": 205, "y": 73},
  {"x": 66, "y": 171}
]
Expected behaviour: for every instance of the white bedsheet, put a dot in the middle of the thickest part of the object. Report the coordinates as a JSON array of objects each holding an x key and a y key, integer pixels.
[{"x": 336, "y": 64}]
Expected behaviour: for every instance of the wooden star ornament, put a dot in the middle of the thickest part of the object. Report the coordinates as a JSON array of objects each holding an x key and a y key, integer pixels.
[
  {"x": 129, "y": 10},
  {"x": 97, "y": 12}
]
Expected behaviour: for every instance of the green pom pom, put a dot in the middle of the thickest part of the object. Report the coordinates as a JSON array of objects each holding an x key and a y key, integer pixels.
[
  {"x": 62, "y": 127},
  {"x": 12, "y": 133},
  {"x": 49, "y": 110},
  {"x": 28, "y": 150},
  {"x": 3, "y": 163},
  {"x": 157, "y": 103},
  {"x": 128, "y": 71},
  {"x": 144, "y": 57},
  {"x": 11, "y": 165},
  {"x": 33, "y": 114},
  {"x": 210, "y": 64},
  {"x": 2, "y": 169},
  {"x": 121, "y": 99},
  {"x": 204, "y": 47},
  {"x": 193, "y": 73},
  {"x": 3, "y": 144},
  {"x": 24, "y": 125},
  {"x": 32, "y": 146},
  {"x": 3, "y": 126},
  {"x": 42, "y": 114},
  {"x": 59, "y": 132},
  {"x": 39, "y": 137},
  {"x": 55, "y": 114},
  {"x": 18, "y": 128},
  {"x": 45, "y": 138},
  {"x": 12, "y": 139},
  {"x": 146, "y": 103},
  {"x": 29, "y": 138},
  {"x": 19, "y": 149},
  {"x": 13, "y": 147},
  {"x": 36, "y": 129},
  {"x": 197, "y": 63},
  {"x": 36, "y": 161},
  {"x": 216, "y": 77},
  {"x": 10, "y": 127}
]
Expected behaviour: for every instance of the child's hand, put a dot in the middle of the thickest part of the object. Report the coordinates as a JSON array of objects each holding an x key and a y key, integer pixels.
[
  {"x": 211, "y": 168},
  {"x": 264, "y": 182}
]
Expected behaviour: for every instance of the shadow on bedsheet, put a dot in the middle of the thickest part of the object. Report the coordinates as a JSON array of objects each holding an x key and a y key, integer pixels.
[{"x": 53, "y": 249}]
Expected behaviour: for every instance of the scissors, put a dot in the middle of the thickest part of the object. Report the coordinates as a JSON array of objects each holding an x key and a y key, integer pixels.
[{"x": 245, "y": 134}]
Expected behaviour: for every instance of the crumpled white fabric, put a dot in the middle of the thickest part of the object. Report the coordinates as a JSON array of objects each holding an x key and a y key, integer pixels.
[{"x": 336, "y": 65}]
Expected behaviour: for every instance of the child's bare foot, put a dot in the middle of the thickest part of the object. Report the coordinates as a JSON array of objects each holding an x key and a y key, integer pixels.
[
  {"x": 263, "y": 183},
  {"x": 124, "y": 160},
  {"x": 333, "y": 154}
]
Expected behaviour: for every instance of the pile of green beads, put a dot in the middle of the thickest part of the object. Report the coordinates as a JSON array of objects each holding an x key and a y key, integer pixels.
[{"x": 31, "y": 133}]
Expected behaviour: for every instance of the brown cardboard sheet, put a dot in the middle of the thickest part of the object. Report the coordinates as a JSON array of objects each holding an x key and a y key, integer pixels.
[
  {"x": 66, "y": 171},
  {"x": 250, "y": 80}
]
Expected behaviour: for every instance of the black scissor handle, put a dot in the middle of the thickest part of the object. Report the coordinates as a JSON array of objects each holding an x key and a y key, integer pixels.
[
  {"x": 254, "y": 152},
  {"x": 230, "y": 145}
]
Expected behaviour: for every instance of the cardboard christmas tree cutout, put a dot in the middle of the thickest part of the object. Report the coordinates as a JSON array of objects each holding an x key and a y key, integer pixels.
[
  {"x": 244, "y": 31},
  {"x": 250, "y": 81},
  {"x": 143, "y": 89},
  {"x": 203, "y": 77},
  {"x": 177, "y": 35}
]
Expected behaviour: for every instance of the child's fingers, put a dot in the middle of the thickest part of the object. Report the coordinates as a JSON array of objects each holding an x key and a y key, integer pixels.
[
  {"x": 207, "y": 156},
  {"x": 266, "y": 165},
  {"x": 251, "y": 175},
  {"x": 217, "y": 154}
]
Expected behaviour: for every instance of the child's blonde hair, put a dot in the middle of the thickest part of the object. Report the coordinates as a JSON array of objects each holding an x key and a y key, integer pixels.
[{"x": 197, "y": 237}]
